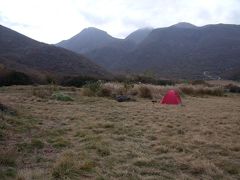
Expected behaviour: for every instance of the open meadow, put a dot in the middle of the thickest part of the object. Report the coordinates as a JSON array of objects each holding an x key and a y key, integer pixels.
[{"x": 60, "y": 133}]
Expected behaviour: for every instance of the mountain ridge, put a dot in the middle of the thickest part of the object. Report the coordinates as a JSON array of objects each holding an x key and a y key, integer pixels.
[
  {"x": 184, "y": 49},
  {"x": 18, "y": 52}
]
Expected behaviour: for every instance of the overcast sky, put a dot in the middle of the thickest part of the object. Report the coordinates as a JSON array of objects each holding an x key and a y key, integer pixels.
[{"x": 51, "y": 21}]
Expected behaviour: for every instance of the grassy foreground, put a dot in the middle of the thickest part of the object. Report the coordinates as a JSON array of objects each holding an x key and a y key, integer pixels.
[{"x": 99, "y": 138}]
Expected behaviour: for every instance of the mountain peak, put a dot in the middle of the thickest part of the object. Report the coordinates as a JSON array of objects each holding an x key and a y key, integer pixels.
[
  {"x": 88, "y": 39},
  {"x": 184, "y": 25},
  {"x": 92, "y": 29},
  {"x": 139, "y": 35}
]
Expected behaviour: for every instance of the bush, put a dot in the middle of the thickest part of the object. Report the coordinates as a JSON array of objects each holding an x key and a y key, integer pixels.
[
  {"x": 77, "y": 81},
  {"x": 144, "y": 92},
  {"x": 104, "y": 92},
  {"x": 233, "y": 88},
  {"x": 200, "y": 82},
  {"x": 150, "y": 80},
  {"x": 62, "y": 97},
  {"x": 15, "y": 78},
  {"x": 92, "y": 88},
  {"x": 7, "y": 110}
]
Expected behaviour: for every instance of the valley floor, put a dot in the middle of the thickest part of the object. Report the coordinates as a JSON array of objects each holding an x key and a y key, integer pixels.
[{"x": 99, "y": 138}]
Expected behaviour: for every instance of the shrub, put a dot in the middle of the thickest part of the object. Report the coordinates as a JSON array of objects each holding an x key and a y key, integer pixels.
[
  {"x": 7, "y": 109},
  {"x": 200, "y": 82},
  {"x": 151, "y": 80},
  {"x": 233, "y": 88},
  {"x": 62, "y": 97},
  {"x": 92, "y": 88},
  {"x": 15, "y": 78},
  {"x": 104, "y": 92},
  {"x": 144, "y": 92},
  {"x": 77, "y": 81}
]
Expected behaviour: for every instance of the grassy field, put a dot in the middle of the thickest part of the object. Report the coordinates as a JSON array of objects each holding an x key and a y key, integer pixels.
[{"x": 99, "y": 138}]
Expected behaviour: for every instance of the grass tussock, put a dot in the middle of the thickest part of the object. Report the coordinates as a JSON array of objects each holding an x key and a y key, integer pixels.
[
  {"x": 68, "y": 166},
  {"x": 43, "y": 92},
  {"x": 35, "y": 144},
  {"x": 144, "y": 92},
  {"x": 29, "y": 174},
  {"x": 199, "y": 167},
  {"x": 8, "y": 157},
  {"x": 59, "y": 142},
  {"x": 8, "y": 163},
  {"x": 60, "y": 96}
]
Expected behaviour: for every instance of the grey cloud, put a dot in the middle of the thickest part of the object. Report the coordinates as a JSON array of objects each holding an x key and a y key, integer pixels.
[
  {"x": 7, "y": 22},
  {"x": 138, "y": 23},
  {"x": 235, "y": 17},
  {"x": 94, "y": 19},
  {"x": 204, "y": 15}
]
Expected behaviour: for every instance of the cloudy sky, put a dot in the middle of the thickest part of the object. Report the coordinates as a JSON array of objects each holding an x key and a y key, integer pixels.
[{"x": 51, "y": 21}]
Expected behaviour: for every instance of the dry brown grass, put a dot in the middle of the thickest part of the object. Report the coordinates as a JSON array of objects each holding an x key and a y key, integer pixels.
[
  {"x": 99, "y": 138},
  {"x": 201, "y": 90}
]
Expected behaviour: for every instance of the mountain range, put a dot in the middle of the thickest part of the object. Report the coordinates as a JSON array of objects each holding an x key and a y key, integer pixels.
[{"x": 181, "y": 51}]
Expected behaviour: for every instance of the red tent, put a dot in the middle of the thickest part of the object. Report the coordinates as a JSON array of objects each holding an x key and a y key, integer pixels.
[{"x": 172, "y": 97}]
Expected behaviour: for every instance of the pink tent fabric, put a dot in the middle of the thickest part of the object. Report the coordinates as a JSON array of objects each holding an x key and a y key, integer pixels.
[{"x": 172, "y": 97}]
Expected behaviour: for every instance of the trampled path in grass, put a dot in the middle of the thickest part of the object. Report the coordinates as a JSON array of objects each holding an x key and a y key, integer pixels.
[{"x": 100, "y": 138}]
